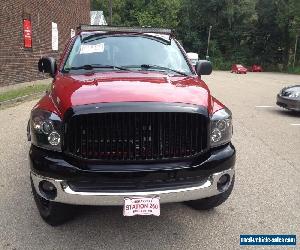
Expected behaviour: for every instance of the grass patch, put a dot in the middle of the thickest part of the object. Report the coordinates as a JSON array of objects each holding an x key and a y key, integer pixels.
[{"x": 24, "y": 91}]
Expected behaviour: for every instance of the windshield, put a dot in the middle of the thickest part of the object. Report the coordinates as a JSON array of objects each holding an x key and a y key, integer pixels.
[{"x": 126, "y": 51}]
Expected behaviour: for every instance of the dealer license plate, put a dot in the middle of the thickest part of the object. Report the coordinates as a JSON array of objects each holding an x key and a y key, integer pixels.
[{"x": 141, "y": 206}]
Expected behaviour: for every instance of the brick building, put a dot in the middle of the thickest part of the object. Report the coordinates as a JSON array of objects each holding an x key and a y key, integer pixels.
[{"x": 26, "y": 33}]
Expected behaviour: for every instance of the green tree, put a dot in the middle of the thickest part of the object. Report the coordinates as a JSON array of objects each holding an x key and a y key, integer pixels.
[
  {"x": 243, "y": 31},
  {"x": 230, "y": 19},
  {"x": 288, "y": 20},
  {"x": 142, "y": 12}
]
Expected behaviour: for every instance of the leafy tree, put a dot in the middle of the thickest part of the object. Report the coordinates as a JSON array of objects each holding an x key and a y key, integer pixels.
[
  {"x": 142, "y": 12},
  {"x": 288, "y": 20},
  {"x": 243, "y": 31}
]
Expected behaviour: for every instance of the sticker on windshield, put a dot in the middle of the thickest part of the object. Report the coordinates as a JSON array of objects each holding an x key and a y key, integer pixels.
[{"x": 91, "y": 48}]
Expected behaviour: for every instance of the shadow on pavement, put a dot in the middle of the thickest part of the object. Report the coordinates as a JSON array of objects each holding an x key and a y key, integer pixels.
[
  {"x": 106, "y": 228},
  {"x": 284, "y": 112}
]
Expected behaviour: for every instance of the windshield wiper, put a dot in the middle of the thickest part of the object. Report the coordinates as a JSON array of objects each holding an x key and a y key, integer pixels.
[
  {"x": 152, "y": 66},
  {"x": 96, "y": 66}
]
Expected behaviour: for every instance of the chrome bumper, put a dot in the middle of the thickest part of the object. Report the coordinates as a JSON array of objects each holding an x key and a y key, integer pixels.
[{"x": 66, "y": 195}]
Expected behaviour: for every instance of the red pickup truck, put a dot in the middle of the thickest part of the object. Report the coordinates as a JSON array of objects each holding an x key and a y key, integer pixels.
[{"x": 128, "y": 122}]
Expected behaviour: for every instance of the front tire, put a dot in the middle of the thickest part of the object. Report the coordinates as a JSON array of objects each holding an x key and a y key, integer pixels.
[
  {"x": 53, "y": 213},
  {"x": 213, "y": 201}
]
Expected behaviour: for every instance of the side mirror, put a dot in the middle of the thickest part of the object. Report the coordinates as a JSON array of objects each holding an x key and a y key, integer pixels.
[
  {"x": 203, "y": 67},
  {"x": 47, "y": 65}
]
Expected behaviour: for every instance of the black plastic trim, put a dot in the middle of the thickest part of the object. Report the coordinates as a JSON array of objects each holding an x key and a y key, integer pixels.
[
  {"x": 134, "y": 107},
  {"x": 56, "y": 165}
]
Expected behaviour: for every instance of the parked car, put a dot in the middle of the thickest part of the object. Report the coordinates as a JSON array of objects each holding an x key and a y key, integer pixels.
[
  {"x": 128, "y": 125},
  {"x": 238, "y": 69},
  {"x": 289, "y": 98},
  {"x": 194, "y": 58},
  {"x": 255, "y": 68}
]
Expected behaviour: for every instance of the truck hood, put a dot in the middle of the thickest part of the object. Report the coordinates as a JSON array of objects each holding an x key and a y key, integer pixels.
[{"x": 73, "y": 90}]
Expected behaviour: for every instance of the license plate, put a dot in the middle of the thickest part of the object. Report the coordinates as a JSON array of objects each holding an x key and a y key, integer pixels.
[{"x": 141, "y": 206}]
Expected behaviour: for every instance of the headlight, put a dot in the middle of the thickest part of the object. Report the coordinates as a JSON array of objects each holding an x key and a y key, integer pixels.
[
  {"x": 294, "y": 95},
  {"x": 221, "y": 128},
  {"x": 46, "y": 129}
]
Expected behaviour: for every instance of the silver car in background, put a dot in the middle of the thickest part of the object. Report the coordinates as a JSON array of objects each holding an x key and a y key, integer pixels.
[{"x": 289, "y": 98}]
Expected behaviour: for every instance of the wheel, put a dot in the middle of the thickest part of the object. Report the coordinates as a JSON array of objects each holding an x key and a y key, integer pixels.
[
  {"x": 28, "y": 131},
  {"x": 53, "y": 213},
  {"x": 211, "y": 202}
]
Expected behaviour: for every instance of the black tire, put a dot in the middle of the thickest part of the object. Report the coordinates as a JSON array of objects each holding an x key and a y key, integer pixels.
[
  {"x": 213, "y": 201},
  {"x": 28, "y": 131},
  {"x": 53, "y": 213}
]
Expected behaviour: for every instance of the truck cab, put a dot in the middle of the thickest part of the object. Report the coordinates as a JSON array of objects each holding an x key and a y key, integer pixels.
[{"x": 128, "y": 122}]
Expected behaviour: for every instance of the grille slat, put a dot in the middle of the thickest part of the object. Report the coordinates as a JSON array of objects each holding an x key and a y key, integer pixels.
[
  {"x": 159, "y": 135},
  {"x": 152, "y": 138},
  {"x": 111, "y": 138},
  {"x": 81, "y": 139},
  {"x": 136, "y": 136}
]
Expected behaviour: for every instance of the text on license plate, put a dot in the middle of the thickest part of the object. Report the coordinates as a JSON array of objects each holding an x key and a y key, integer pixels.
[{"x": 141, "y": 206}]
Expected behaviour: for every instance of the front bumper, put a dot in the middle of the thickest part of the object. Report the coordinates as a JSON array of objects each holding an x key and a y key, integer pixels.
[
  {"x": 288, "y": 103},
  {"x": 66, "y": 195},
  {"x": 52, "y": 167}
]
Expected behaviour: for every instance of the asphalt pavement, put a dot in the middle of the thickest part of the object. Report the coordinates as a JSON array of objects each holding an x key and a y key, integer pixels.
[{"x": 265, "y": 200}]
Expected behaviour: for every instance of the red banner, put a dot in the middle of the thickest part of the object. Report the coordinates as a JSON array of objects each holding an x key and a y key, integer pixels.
[{"x": 27, "y": 33}]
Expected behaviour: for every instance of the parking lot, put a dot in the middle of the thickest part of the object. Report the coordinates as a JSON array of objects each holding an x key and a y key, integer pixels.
[{"x": 265, "y": 200}]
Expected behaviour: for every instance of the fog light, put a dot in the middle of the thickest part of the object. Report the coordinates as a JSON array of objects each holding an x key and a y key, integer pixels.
[
  {"x": 223, "y": 182},
  {"x": 48, "y": 189},
  {"x": 54, "y": 138}
]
